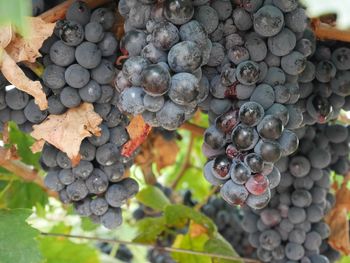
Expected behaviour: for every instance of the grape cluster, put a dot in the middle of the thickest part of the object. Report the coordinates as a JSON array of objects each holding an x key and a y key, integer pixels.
[
  {"x": 325, "y": 83},
  {"x": 167, "y": 45},
  {"x": 259, "y": 51},
  {"x": 291, "y": 227},
  {"x": 123, "y": 252},
  {"x": 228, "y": 219},
  {"x": 79, "y": 68},
  {"x": 78, "y": 61}
]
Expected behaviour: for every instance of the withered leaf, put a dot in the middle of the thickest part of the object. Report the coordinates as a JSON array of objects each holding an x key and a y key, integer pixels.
[
  {"x": 16, "y": 77},
  {"x": 138, "y": 131},
  {"x": 67, "y": 131},
  {"x": 337, "y": 219},
  {"x": 6, "y": 35},
  {"x": 164, "y": 152},
  {"x": 27, "y": 48}
]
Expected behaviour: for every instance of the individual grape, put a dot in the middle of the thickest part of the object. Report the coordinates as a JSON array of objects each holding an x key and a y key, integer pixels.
[
  {"x": 340, "y": 85},
  {"x": 133, "y": 68},
  {"x": 97, "y": 140},
  {"x": 254, "y": 162},
  {"x": 33, "y": 113},
  {"x": 270, "y": 239},
  {"x": 209, "y": 174},
  {"x": 70, "y": 97},
  {"x": 165, "y": 35},
  {"x": 155, "y": 80},
  {"x": 185, "y": 57},
  {"x": 270, "y": 151},
  {"x": 217, "y": 55},
  {"x": 83, "y": 169},
  {"x": 294, "y": 63},
  {"x": 274, "y": 178},
  {"x": 114, "y": 172},
  {"x": 184, "y": 88},
  {"x": 244, "y": 138},
  {"x": 304, "y": 46},
  {"x": 49, "y": 155},
  {"x": 53, "y": 77},
  {"x": 264, "y": 254},
  {"x": 91, "y": 92},
  {"x": 259, "y": 201},
  {"x": 312, "y": 241},
  {"x": 55, "y": 105},
  {"x": 71, "y": 33},
  {"x": 52, "y": 181},
  {"x": 268, "y": 21},
  {"x": 319, "y": 108},
  {"x": 234, "y": 194},
  {"x": 62, "y": 54},
  {"x": 16, "y": 99},
  {"x": 251, "y": 113},
  {"x": 99, "y": 206},
  {"x": 295, "y": 117},
  {"x": 103, "y": 16},
  {"x": 94, "y": 32},
  {"x": 171, "y": 116},
  {"x": 107, "y": 154},
  {"x": 336, "y": 133},
  {"x": 319, "y": 158},
  {"x": 294, "y": 251},
  {"x": 108, "y": 45},
  {"x": 282, "y": 43},
  {"x": 103, "y": 109},
  {"x": 97, "y": 182},
  {"x": 63, "y": 161},
  {"x": 207, "y": 17},
  {"x": 289, "y": 142},
  {"x": 112, "y": 218},
  {"x": 178, "y": 12},
  {"x": 301, "y": 198},
  {"x": 153, "y": 54},
  {"x": 325, "y": 71},
  {"x": 131, "y": 100},
  {"x": 341, "y": 58},
  {"x": 118, "y": 136},
  {"x": 256, "y": 47},
  {"x": 248, "y": 72},
  {"x": 279, "y": 111},
  {"x": 104, "y": 72},
  {"x": 308, "y": 75},
  {"x": 133, "y": 42},
  {"x": 77, "y": 190},
  {"x": 79, "y": 12},
  {"x": 296, "y": 20},
  {"x": 66, "y": 176},
  {"x": 193, "y": 31},
  {"x": 82, "y": 207},
  {"x": 221, "y": 167},
  {"x": 299, "y": 166},
  {"x": 296, "y": 215},
  {"x": 270, "y": 127},
  {"x": 240, "y": 172},
  {"x": 88, "y": 55},
  {"x": 238, "y": 54},
  {"x": 257, "y": 184},
  {"x": 264, "y": 95},
  {"x": 107, "y": 93},
  {"x": 223, "y": 9},
  {"x": 76, "y": 76},
  {"x": 242, "y": 19}
]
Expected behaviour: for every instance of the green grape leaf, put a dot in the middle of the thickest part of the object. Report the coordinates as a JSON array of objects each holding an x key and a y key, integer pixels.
[
  {"x": 18, "y": 239},
  {"x": 24, "y": 195},
  {"x": 15, "y": 12},
  {"x": 23, "y": 142},
  {"x": 153, "y": 197},
  {"x": 148, "y": 229},
  {"x": 179, "y": 216},
  {"x": 58, "y": 250},
  {"x": 190, "y": 243},
  {"x": 219, "y": 245},
  {"x": 87, "y": 224}
]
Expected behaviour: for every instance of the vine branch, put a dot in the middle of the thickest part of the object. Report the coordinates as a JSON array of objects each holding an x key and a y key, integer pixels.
[
  {"x": 167, "y": 249},
  {"x": 22, "y": 170},
  {"x": 325, "y": 31},
  {"x": 195, "y": 129}
]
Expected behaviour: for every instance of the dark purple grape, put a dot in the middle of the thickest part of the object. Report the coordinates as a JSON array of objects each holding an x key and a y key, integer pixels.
[{"x": 244, "y": 138}]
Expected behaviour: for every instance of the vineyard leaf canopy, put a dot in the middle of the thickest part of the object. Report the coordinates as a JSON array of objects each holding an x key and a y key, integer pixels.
[
  {"x": 153, "y": 197},
  {"x": 17, "y": 239}
]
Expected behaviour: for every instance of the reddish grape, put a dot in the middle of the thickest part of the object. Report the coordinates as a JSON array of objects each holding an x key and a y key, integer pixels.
[{"x": 257, "y": 184}]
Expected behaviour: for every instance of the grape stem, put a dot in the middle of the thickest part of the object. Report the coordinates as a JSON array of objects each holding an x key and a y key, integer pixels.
[
  {"x": 161, "y": 248},
  {"x": 22, "y": 170},
  {"x": 185, "y": 164},
  {"x": 324, "y": 31},
  {"x": 195, "y": 129}
]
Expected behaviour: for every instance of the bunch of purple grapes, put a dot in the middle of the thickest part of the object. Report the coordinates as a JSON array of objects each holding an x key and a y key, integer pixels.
[
  {"x": 167, "y": 45},
  {"x": 291, "y": 227},
  {"x": 259, "y": 51},
  {"x": 325, "y": 83}
]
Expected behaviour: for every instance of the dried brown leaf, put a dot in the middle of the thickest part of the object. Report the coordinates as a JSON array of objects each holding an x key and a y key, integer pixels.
[
  {"x": 27, "y": 49},
  {"x": 16, "y": 77},
  {"x": 337, "y": 219},
  {"x": 164, "y": 152},
  {"x": 197, "y": 230},
  {"x": 138, "y": 131},
  {"x": 6, "y": 34},
  {"x": 67, "y": 131}
]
